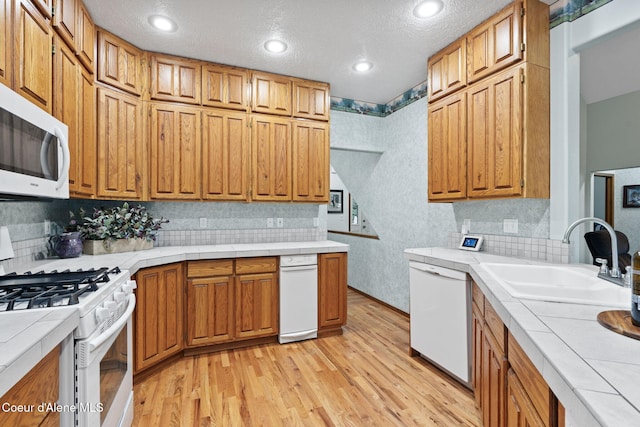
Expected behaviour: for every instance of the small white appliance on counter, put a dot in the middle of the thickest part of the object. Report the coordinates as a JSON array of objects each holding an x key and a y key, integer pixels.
[
  {"x": 440, "y": 313},
  {"x": 298, "y": 297}
]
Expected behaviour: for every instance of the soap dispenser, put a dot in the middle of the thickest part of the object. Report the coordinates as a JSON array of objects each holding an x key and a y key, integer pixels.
[{"x": 635, "y": 290}]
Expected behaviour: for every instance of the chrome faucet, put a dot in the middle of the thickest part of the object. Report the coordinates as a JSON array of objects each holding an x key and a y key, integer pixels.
[{"x": 614, "y": 273}]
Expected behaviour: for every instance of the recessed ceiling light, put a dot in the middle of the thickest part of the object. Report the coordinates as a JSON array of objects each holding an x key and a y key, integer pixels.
[
  {"x": 162, "y": 23},
  {"x": 428, "y": 8},
  {"x": 362, "y": 66},
  {"x": 275, "y": 46}
]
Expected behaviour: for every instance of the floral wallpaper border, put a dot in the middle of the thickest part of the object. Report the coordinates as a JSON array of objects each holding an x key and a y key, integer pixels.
[{"x": 559, "y": 12}]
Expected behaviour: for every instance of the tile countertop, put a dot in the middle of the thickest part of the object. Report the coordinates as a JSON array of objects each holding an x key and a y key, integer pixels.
[
  {"x": 593, "y": 371},
  {"x": 27, "y": 336}
]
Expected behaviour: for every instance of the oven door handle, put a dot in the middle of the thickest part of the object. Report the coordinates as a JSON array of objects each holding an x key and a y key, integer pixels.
[{"x": 100, "y": 339}]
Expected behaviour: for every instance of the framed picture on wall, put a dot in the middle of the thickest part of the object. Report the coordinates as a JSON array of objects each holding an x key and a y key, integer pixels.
[
  {"x": 631, "y": 196},
  {"x": 335, "y": 202}
]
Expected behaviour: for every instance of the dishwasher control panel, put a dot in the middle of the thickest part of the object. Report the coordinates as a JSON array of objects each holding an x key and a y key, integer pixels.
[{"x": 295, "y": 260}]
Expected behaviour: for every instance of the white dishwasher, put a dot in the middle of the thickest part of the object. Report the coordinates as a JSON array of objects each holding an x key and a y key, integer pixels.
[
  {"x": 298, "y": 297},
  {"x": 440, "y": 314}
]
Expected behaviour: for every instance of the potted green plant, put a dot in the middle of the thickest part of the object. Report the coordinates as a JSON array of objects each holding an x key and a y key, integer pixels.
[{"x": 116, "y": 229}]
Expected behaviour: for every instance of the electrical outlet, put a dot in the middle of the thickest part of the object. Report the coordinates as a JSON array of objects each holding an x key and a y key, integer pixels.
[
  {"x": 316, "y": 222},
  {"x": 269, "y": 222},
  {"x": 280, "y": 222},
  {"x": 510, "y": 226},
  {"x": 203, "y": 222},
  {"x": 47, "y": 227},
  {"x": 466, "y": 226}
]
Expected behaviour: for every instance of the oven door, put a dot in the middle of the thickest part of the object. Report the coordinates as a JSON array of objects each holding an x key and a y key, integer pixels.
[{"x": 104, "y": 375}]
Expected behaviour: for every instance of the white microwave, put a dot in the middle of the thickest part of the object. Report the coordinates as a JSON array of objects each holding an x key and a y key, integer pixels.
[{"x": 34, "y": 150}]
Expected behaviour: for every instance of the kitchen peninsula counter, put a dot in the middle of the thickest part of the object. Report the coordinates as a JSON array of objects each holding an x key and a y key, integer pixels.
[{"x": 593, "y": 371}]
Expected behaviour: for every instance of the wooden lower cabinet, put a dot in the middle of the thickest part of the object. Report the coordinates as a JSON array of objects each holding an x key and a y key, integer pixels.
[
  {"x": 158, "y": 318},
  {"x": 257, "y": 305},
  {"x": 509, "y": 391},
  {"x": 520, "y": 410},
  {"x": 41, "y": 384},
  {"x": 332, "y": 292}
]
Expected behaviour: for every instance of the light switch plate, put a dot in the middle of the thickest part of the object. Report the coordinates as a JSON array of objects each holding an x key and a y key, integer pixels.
[
  {"x": 203, "y": 222},
  {"x": 269, "y": 222},
  {"x": 510, "y": 226}
]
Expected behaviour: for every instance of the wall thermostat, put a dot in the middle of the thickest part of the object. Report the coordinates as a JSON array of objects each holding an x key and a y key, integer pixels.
[{"x": 471, "y": 243}]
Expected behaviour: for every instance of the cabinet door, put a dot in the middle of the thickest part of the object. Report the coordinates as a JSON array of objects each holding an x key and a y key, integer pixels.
[
  {"x": 66, "y": 104},
  {"x": 271, "y": 158},
  {"x": 210, "y": 313},
  {"x": 175, "y": 79},
  {"x": 448, "y": 148},
  {"x": 311, "y": 100},
  {"x": 86, "y": 185},
  {"x": 332, "y": 291},
  {"x": 65, "y": 21},
  {"x": 496, "y": 43},
  {"x": 86, "y": 38},
  {"x": 310, "y": 161},
  {"x": 447, "y": 70},
  {"x": 495, "y": 136},
  {"x": 175, "y": 152},
  {"x": 32, "y": 56},
  {"x": 494, "y": 368},
  {"x": 477, "y": 322},
  {"x": 43, "y": 7},
  {"x": 119, "y": 63},
  {"x": 224, "y": 87},
  {"x": 271, "y": 94},
  {"x": 75, "y": 105},
  {"x": 520, "y": 410},
  {"x": 257, "y": 305},
  {"x": 120, "y": 145},
  {"x": 6, "y": 36},
  {"x": 158, "y": 316},
  {"x": 225, "y": 155}
]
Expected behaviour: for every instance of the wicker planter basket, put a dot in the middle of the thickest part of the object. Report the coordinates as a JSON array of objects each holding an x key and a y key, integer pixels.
[{"x": 108, "y": 246}]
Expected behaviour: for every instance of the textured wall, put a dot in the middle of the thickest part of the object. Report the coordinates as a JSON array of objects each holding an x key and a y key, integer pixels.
[{"x": 392, "y": 188}]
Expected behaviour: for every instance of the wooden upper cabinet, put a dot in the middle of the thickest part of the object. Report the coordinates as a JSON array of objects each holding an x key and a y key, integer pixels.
[
  {"x": 225, "y": 87},
  {"x": 311, "y": 100},
  {"x": 310, "y": 161},
  {"x": 119, "y": 63},
  {"x": 158, "y": 317},
  {"x": 86, "y": 38},
  {"x": 5, "y": 42},
  {"x": 175, "y": 79},
  {"x": 496, "y": 43},
  {"x": 271, "y": 94},
  {"x": 43, "y": 6},
  {"x": 121, "y": 157},
  {"x": 65, "y": 21},
  {"x": 87, "y": 146},
  {"x": 447, "y": 70},
  {"x": 175, "y": 152},
  {"x": 225, "y": 155},
  {"x": 33, "y": 64},
  {"x": 495, "y": 142},
  {"x": 448, "y": 148},
  {"x": 332, "y": 291},
  {"x": 271, "y": 158}
]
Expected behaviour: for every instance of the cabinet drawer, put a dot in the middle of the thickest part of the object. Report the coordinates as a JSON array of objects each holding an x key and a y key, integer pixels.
[
  {"x": 495, "y": 325},
  {"x": 209, "y": 268},
  {"x": 256, "y": 265},
  {"x": 537, "y": 388},
  {"x": 478, "y": 297}
]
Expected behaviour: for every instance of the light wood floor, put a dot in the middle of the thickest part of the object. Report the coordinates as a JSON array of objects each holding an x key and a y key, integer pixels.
[{"x": 362, "y": 378}]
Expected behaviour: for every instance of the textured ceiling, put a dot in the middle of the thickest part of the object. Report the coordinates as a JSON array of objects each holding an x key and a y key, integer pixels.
[{"x": 325, "y": 37}]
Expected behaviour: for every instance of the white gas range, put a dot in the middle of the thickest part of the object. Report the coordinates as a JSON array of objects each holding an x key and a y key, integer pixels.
[{"x": 96, "y": 368}]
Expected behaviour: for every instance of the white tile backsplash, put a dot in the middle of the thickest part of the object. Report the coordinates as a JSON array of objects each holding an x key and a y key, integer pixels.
[{"x": 521, "y": 247}]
